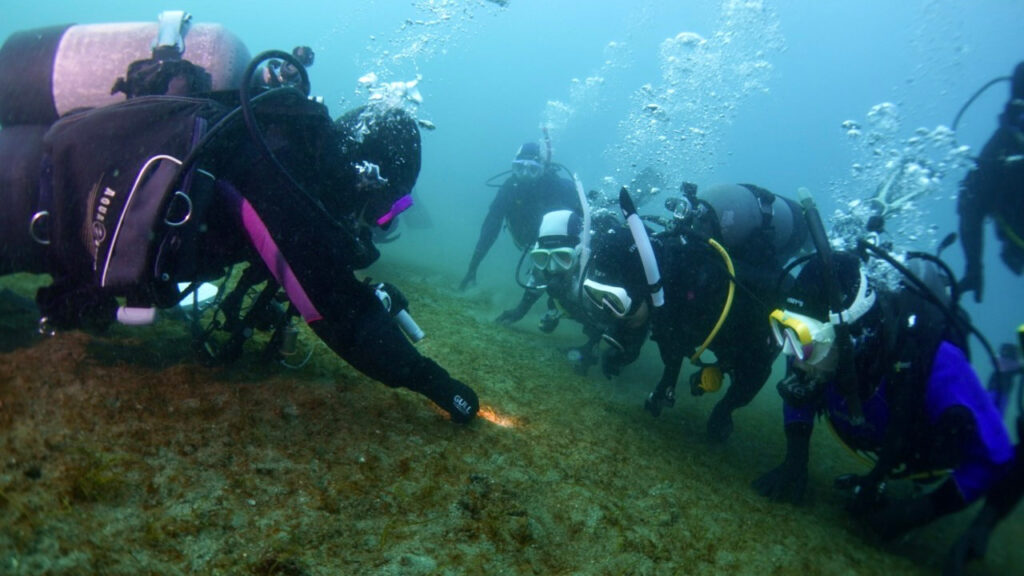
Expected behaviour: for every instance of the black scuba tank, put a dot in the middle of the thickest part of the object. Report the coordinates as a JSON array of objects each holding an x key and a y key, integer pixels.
[{"x": 47, "y": 72}]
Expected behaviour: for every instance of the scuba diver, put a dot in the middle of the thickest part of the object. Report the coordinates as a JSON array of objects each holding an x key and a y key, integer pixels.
[
  {"x": 557, "y": 260},
  {"x": 718, "y": 260},
  {"x": 888, "y": 370},
  {"x": 532, "y": 189},
  {"x": 994, "y": 188},
  {"x": 137, "y": 198}
]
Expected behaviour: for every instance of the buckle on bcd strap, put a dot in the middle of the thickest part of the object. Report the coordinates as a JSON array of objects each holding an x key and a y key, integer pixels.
[{"x": 38, "y": 227}]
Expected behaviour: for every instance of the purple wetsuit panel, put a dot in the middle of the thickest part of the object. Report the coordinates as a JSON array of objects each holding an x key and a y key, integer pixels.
[
  {"x": 954, "y": 383},
  {"x": 275, "y": 261}
]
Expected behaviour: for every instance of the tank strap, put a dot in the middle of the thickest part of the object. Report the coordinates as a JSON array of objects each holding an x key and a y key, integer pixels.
[
  {"x": 763, "y": 241},
  {"x": 765, "y": 201}
]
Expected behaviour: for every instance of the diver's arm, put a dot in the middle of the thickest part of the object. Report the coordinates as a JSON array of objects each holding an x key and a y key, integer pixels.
[
  {"x": 490, "y": 229},
  {"x": 347, "y": 315},
  {"x": 974, "y": 204},
  {"x": 513, "y": 315},
  {"x": 972, "y": 218},
  {"x": 369, "y": 340}
]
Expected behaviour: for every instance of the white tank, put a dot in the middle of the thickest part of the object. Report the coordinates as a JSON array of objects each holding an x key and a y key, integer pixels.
[{"x": 47, "y": 72}]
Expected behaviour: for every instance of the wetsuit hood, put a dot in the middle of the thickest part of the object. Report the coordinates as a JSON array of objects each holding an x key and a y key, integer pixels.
[{"x": 380, "y": 154}]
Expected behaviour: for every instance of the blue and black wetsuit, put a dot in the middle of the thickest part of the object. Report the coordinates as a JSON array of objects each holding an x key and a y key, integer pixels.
[{"x": 978, "y": 454}]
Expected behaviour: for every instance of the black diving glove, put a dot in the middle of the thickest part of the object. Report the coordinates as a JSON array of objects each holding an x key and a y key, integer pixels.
[
  {"x": 470, "y": 278},
  {"x": 434, "y": 382},
  {"x": 516, "y": 314},
  {"x": 511, "y": 316},
  {"x": 720, "y": 425},
  {"x": 788, "y": 481},
  {"x": 73, "y": 308},
  {"x": 549, "y": 321},
  {"x": 973, "y": 281}
]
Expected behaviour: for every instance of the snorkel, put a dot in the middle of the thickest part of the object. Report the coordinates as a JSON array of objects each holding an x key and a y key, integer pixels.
[
  {"x": 846, "y": 373},
  {"x": 643, "y": 245},
  {"x": 585, "y": 233}
]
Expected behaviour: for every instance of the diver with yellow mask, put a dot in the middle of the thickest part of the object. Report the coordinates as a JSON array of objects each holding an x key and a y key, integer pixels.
[{"x": 887, "y": 369}]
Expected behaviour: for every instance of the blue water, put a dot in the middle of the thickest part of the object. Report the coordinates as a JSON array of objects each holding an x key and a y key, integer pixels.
[{"x": 762, "y": 100}]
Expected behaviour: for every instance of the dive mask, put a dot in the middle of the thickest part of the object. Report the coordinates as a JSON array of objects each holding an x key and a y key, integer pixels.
[
  {"x": 615, "y": 299},
  {"x": 528, "y": 169},
  {"x": 809, "y": 340},
  {"x": 802, "y": 337},
  {"x": 553, "y": 259}
]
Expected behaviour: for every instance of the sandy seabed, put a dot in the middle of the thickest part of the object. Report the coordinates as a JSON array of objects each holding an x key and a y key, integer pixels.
[{"x": 122, "y": 454}]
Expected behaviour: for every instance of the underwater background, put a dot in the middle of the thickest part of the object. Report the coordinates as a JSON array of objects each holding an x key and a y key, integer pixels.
[{"x": 121, "y": 454}]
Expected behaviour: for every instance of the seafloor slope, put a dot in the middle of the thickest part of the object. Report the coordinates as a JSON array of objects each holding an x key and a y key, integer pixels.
[{"x": 122, "y": 455}]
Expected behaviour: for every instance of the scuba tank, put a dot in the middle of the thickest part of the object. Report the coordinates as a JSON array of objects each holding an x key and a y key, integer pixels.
[
  {"x": 742, "y": 211},
  {"x": 47, "y": 72}
]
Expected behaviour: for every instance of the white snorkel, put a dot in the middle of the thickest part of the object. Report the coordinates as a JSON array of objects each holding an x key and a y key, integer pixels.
[
  {"x": 585, "y": 233},
  {"x": 643, "y": 245}
]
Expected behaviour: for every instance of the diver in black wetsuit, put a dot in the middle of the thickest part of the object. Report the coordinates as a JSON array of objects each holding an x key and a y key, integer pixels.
[
  {"x": 533, "y": 189},
  {"x": 557, "y": 261},
  {"x": 135, "y": 198},
  {"x": 995, "y": 189},
  {"x": 720, "y": 259}
]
